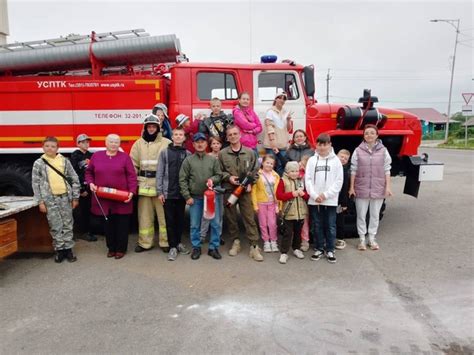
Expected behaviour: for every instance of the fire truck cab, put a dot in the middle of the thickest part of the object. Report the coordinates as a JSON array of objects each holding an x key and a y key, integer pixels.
[{"x": 226, "y": 81}]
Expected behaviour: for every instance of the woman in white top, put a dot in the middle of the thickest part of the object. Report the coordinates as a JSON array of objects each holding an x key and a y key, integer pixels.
[{"x": 277, "y": 126}]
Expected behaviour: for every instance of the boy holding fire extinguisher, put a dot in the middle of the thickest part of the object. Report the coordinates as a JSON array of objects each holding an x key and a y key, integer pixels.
[{"x": 198, "y": 173}]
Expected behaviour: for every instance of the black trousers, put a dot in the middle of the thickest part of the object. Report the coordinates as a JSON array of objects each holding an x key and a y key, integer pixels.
[
  {"x": 116, "y": 232},
  {"x": 291, "y": 235},
  {"x": 82, "y": 215},
  {"x": 340, "y": 226},
  {"x": 174, "y": 216}
]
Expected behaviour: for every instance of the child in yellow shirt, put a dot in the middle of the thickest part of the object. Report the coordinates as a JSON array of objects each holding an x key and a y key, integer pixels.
[{"x": 56, "y": 188}]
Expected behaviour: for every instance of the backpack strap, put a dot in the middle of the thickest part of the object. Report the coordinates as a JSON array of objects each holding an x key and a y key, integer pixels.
[{"x": 58, "y": 172}]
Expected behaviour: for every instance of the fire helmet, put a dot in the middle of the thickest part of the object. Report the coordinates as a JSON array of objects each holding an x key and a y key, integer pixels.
[
  {"x": 151, "y": 119},
  {"x": 162, "y": 107}
]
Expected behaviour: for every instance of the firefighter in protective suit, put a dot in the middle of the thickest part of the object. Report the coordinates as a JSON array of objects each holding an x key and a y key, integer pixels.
[{"x": 144, "y": 154}]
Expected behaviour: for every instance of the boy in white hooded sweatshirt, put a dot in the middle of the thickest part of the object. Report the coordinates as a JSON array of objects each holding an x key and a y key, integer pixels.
[{"x": 323, "y": 181}]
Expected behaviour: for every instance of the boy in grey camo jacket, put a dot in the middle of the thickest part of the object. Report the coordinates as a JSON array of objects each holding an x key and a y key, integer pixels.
[{"x": 57, "y": 197}]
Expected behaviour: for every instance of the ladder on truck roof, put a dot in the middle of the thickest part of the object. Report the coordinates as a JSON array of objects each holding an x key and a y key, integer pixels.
[
  {"x": 72, "y": 40},
  {"x": 121, "y": 49}
]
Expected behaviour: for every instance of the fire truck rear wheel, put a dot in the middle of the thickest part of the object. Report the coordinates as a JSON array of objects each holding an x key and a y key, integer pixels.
[{"x": 15, "y": 181}]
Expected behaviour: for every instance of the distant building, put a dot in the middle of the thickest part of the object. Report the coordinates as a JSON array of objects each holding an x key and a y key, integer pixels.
[{"x": 431, "y": 120}]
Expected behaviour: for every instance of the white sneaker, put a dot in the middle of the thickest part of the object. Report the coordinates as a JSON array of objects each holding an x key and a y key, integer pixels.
[
  {"x": 317, "y": 255},
  {"x": 267, "y": 247},
  {"x": 340, "y": 244},
  {"x": 274, "y": 246},
  {"x": 331, "y": 257},
  {"x": 172, "y": 254},
  {"x": 362, "y": 244},
  {"x": 304, "y": 245},
  {"x": 372, "y": 243},
  {"x": 298, "y": 253},
  {"x": 283, "y": 258},
  {"x": 182, "y": 249}
]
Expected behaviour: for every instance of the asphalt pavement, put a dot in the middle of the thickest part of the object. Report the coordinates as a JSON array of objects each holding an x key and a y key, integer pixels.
[{"x": 413, "y": 296}]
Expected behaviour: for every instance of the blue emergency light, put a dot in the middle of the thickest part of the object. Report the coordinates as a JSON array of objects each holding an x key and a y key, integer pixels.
[{"x": 270, "y": 58}]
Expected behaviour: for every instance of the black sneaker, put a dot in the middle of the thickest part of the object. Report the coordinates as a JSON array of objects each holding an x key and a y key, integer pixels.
[
  {"x": 196, "y": 254},
  {"x": 140, "y": 249},
  {"x": 59, "y": 256},
  {"x": 318, "y": 254},
  {"x": 215, "y": 254},
  {"x": 91, "y": 237},
  {"x": 331, "y": 257},
  {"x": 70, "y": 255}
]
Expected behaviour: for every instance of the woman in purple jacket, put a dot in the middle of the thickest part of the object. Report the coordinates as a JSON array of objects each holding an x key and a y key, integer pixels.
[
  {"x": 113, "y": 168},
  {"x": 248, "y": 122},
  {"x": 370, "y": 183}
]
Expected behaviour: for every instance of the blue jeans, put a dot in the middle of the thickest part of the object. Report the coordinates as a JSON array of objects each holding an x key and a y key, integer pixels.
[
  {"x": 324, "y": 220},
  {"x": 195, "y": 214},
  {"x": 279, "y": 165},
  {"x": 205, "y": 223}
]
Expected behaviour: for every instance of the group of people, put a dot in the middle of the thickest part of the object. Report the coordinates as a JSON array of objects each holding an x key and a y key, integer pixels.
[{"x": 293, "y": 190}]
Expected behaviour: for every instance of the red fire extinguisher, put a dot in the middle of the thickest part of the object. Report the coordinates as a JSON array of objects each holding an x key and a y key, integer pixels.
[
  {"x": 209, "y": 204},
  {"x": 112, "y": 194},
  {"x": 238, "y": 191}
]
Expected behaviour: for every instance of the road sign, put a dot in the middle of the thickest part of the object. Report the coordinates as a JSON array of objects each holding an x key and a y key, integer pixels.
[
  {"x": 467, "y": 110},
  {"x": 467, "y": 97}
]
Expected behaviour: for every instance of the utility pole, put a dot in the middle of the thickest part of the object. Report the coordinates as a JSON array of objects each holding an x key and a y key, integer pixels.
[
  {"x": 327, "y": 86},
  {"x": 456, "y": 27},
  {"x": 4, "y": 31},
  {"x": 250, "y": 31}
]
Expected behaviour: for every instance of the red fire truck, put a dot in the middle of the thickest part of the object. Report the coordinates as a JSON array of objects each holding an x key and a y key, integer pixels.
[{"x": 106, "y": 83}]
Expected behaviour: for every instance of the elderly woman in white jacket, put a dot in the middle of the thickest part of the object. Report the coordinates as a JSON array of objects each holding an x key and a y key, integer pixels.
[{"x": 323, "y": 180}]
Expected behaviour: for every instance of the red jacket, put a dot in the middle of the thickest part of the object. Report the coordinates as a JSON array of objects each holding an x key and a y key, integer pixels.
[
  {"x": 286, "y": 196},
  {"x": 294, "y": 208},
  {"x": 189, "y": 132}
]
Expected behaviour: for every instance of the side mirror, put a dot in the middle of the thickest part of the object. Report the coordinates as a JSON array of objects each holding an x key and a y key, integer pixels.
[{"x": 308, "y": 75}]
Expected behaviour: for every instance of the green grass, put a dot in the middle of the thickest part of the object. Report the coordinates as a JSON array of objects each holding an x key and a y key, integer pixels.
[
  {"x": 458, "y": 144},
  {"x": 435, "y": 136}
]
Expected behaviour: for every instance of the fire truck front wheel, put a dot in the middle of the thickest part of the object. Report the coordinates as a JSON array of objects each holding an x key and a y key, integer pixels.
[{"x": 15, "y": 181}]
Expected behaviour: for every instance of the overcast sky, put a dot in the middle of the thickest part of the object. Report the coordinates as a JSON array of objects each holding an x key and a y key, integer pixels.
[{"x": 388, "y": 46}]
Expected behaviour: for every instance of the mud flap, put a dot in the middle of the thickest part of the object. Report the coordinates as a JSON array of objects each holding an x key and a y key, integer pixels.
[{"x": 419, "y": 169}]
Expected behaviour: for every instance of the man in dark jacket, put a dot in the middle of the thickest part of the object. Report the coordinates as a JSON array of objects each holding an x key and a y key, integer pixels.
[
  {"x": 216, "y": 124},
  {"x": 80, "y": 160}
]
